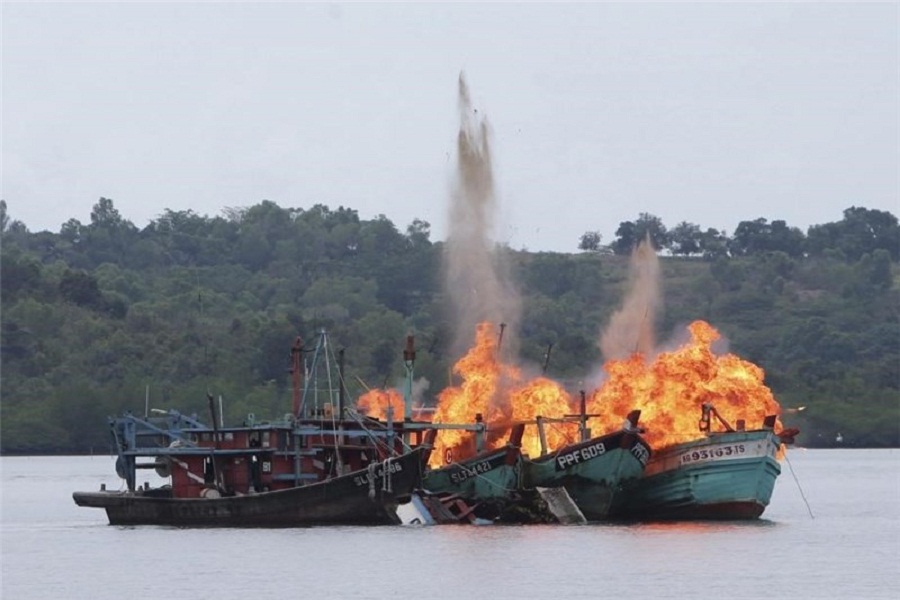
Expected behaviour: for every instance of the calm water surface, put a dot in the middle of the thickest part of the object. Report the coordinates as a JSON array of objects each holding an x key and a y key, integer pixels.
[{"x": 850, "y": 549}]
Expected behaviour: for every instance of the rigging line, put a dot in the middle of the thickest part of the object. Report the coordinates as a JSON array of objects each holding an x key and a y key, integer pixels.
[
  {"x": 802, "y": 495},
  {"x": 346, "y": 389},
  {"x": 378, "y": 442},
  {"x": 328, "y": 356},
  {"x": 363, "y": 383},
  {"x": 559, "y": 430}
]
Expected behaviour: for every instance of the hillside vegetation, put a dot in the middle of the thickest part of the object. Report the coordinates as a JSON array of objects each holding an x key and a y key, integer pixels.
[{"x": 98, "y": 315}]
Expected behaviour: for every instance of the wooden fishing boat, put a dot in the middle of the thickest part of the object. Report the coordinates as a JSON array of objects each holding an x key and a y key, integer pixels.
[
  {"x": 487, "y": 475},
  {"x": 574, "y": 483},
  {"x": 315, "y": 466},
  {"x": 479, "y": 488},
  {"x": 594, "y": 471},
  {"x": 728, "y": 475},
  {"x": 482, "y": 488}
]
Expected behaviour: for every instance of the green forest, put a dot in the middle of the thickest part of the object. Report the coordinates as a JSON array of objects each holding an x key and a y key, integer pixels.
[{"x": 99, "y": 316}]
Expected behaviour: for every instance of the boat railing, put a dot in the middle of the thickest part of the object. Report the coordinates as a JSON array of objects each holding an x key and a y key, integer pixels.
[
  {"x": 128, "y": 429},
  {"x": 631, "y": 424}
]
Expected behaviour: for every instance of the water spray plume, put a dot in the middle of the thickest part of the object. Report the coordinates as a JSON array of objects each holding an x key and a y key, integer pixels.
[
  {"x": 631, "y": 328},
  {"x": 670, "y": 388},
  {"x": 476, "y": 277}
]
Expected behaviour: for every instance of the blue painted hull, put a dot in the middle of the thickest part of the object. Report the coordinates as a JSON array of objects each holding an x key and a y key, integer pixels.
[{"x": 724, "y": 476}]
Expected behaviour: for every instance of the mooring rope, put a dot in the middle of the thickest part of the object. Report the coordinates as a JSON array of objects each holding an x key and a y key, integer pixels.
[
  {"x": 799, "y": 487},
  {"x": 371, "y": 471},
  {"x": 386, "y": 483}
]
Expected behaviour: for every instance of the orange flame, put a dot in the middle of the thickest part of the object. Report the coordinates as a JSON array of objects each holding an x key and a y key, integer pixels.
[
  {"x": 671, "y": 390},
  {"x": 542, "y": 397},
  {"x": 374, "y": 404},
  {"x": 496, "y": 392},
  {"x": 481, "y": 375}
]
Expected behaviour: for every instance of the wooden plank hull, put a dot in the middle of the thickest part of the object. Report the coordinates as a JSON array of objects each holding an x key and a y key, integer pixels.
[
  {"x": 592, "y": 472},
  {"x": 359, "y": 498},
  {"x": 490, "y": 475},
  {"x": 727, "y": 476}
]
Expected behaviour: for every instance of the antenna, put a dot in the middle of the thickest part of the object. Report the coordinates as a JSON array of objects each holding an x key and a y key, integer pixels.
[{"x": 547, "y": 359}]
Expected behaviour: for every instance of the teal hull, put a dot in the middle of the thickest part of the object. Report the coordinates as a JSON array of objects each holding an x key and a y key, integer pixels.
[
  {"x": 488, "y": 476},
  {"x": 724, "y": 476},
  {"x": 593, "y": 472}
]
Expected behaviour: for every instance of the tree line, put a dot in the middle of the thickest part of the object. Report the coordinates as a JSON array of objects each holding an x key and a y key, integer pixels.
[
  {"x": 862, "y": 231},
  {"x": 101, "y": 317}
]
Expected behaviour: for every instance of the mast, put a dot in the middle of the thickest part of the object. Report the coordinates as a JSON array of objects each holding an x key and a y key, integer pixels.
[
  {"x": 409, "y": 359},
  {"x": 296, "y": 375},
  {"x": 217, "y": 475},
  {"x": 582, "y": 420},
  {"x": 340, "y": 410}
]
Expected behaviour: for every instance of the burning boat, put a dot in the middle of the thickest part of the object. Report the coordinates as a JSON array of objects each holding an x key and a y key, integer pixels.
[
  {"x": 557, "y": 471},
  {"x": 592, "y": 472},
  {"x": 464, "y": 482},
  {"x": 487, "y": 484},
  {"x": 713, "y": 470},
  {"x": 726, "y": 475},
  {"x": 316, "y": 466}
]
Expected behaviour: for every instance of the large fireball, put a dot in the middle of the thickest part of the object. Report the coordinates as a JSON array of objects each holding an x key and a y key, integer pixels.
[{"x": 671, "y": 389}]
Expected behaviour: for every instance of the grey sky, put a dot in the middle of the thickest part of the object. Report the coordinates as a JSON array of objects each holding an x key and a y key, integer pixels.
[{"x": 708, "y": 113}]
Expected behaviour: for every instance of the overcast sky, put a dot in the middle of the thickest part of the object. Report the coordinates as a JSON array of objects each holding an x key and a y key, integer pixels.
[{"x": 709, "y": 113}]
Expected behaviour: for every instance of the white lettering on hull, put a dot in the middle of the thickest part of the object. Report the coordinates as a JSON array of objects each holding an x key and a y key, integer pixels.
[
  {"x": 580, "y": 455},
  {"x": 641, "y": 453},
  {"x": 711, "y": 453},
  {"x": 468, "y": 472},
  {"x": 363, "y": 479}
]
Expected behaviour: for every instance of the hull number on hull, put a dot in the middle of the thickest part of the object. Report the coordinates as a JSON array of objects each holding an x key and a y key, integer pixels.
[
  {"x": 702, "y": 454},
  {"x": 466, "y": 472},
  {"x": 379, "y": 473},
  {"x": 641, "y": 453},
  {"x": 564, "y": 461}
]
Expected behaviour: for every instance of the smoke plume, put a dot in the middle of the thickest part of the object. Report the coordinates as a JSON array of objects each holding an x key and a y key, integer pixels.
[
  {"x": 476, "y": 276},
  {"x": 631, "y": 328}
]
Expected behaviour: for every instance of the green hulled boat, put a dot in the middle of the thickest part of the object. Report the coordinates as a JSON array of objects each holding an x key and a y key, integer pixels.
[
  {"x": 723, "y": 476},
  {"x": 483, "y": 488},
  {"x": 593, "y": 472},
  {"x": 494, "y": 474}
]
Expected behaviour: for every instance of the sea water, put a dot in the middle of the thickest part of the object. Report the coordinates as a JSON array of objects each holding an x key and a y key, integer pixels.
[{"x": 832, "y": 530}]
